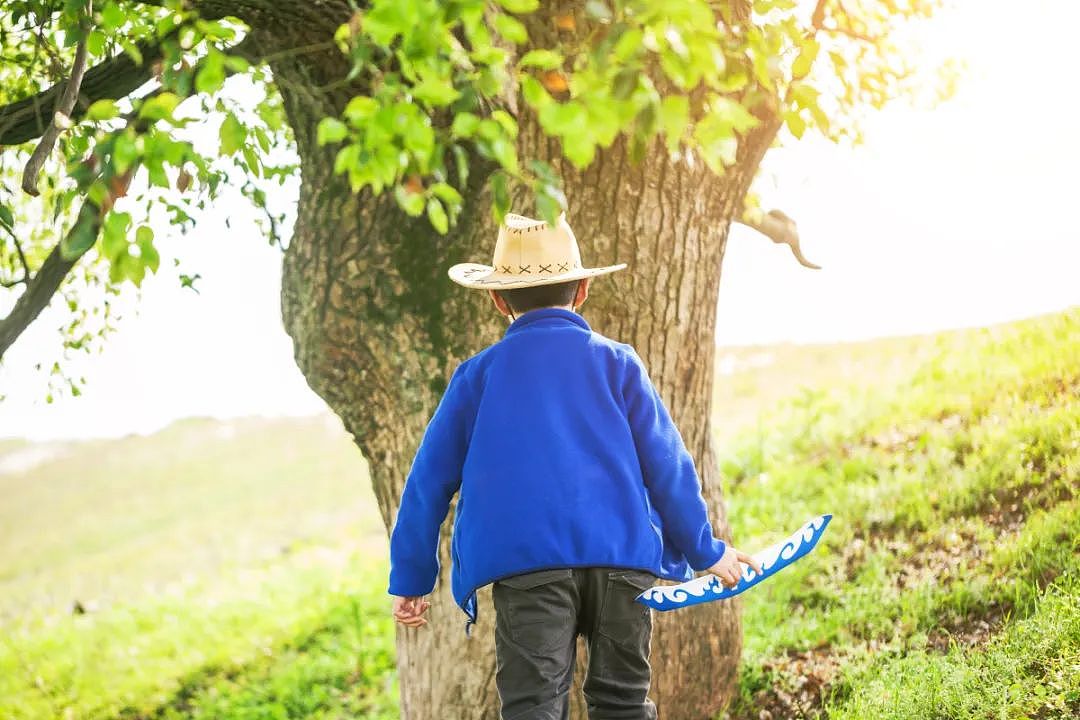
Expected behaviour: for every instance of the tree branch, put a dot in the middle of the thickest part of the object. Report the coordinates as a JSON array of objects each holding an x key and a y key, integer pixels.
[
  {"x": 779, "y": 228},
  {"x": 22, "y": 259},
  {"x": 818, "y": 16},
  {"x": 41, "y": 288},
  {"x": 38, "y": 293},
  {"x": 848, "y": 31},
  {"x": 113, "y": 79},
  {"x": 60, "y": 115}
]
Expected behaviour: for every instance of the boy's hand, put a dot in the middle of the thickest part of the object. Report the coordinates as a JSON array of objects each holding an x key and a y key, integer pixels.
[
  {"x": 728, "y": 569},
  {"x": 409, "y": 611}
]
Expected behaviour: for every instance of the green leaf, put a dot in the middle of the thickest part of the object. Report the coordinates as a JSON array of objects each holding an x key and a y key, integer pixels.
[
  {"x": 534, "y": 93},
  {"x": 437, "y": 216},
  {"x": 461, "y": 162},
  {"x": 805, "y": 61},
  {"x": 805, "y": 96},
  {"x": 674, "y": 118},
  {"x": 232, "y": 134},
  {"x": 436, "y": 91},
  {"x": 732, "y": 82},
  {"x": 732, "y": 114},
  {"x": 360, "y": 108},
  {"x": 131, "y": 49},
  {"x": 795, "y": 123},
  {"x": 346, "y": 159},
  {"x": 386, "y": 20},
  {"x": 625, "y": 83},
  {"x": 411, "y": 202},
  {"x": 159, "y": 107},
  {"x": 144, "y": 239},
  {"x": 237, "y": 64},
  {"x": 6, "y": 218},
  {"x": 464, "y": 125},
  {"x": 211, "y": 74},
  {"x": 262, "y": 138},
  {"x": 550, "y": 201},
  {"x": 251, "y": 159},
  {"x": 114, "y": 240},
  {"x": 628, "y": 44},
  {"x": 447, "y": 193},
  {"x": 579, "y": 149},
  {"x": 543, "y": 59},
  {"x": 97, "y": 192},
  {"x": 112, "y": 17},
  {"x": 330, "y": 130},
  {"x": 511, "y": 29},
  {"x": 500, "y": 196},
  {"x": 125, "y": 152},
  {"x": 102, "y": 110},
  {"x": 504, "y": 152},
  {"x": 564, "y": 118},
  {"x": 95, "y": 43},
  {"x": 838, "y": 62},
  {"x": 157, "y": 176},
  {"x": 506, "y": 122},
  {"x": 132, "y": 268},
  {"x": 716, "y": 141},
  {"x": 419, "y": 138}
]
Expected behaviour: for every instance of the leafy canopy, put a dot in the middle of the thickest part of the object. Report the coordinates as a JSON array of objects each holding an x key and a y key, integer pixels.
[{"x": 437, "y": 86}]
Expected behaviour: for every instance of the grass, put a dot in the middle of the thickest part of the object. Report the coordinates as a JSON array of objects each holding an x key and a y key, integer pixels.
[
  {"x": 194, "y": 568},
  {"x": 237, "y": 570},
  {"x": 105, "y": 520},
  {"x": 287, "y": 634},
  {"x": 953, "y": 556},
  {"x": 1030, "y": 669}
]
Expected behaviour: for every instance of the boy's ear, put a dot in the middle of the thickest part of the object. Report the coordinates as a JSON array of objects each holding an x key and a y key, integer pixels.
[
  {"x": 582, "y": 292},
  {"x": 500, "y": 304}
]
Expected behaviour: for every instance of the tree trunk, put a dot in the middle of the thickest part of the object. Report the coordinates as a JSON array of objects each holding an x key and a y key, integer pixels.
[{"x": 378, "y": 328}]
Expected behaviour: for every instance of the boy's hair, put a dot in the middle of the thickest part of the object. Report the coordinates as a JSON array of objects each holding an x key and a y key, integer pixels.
[{"x": 524, "y": 299}]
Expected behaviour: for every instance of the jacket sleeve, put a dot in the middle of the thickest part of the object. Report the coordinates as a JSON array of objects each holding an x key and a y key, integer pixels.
[
  {"x": 668, "y": 469},
  {"x": 432, "y": 481}
]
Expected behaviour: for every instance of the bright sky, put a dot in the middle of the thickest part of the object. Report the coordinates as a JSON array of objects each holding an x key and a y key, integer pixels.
[{"x": 958, "y": 216}]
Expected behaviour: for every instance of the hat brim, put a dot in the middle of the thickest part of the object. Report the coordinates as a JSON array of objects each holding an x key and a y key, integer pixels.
[{"x": 484, "y": 277}]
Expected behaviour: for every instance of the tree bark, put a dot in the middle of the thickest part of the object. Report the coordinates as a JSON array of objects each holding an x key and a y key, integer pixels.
[{"x": 378, "y": 328}]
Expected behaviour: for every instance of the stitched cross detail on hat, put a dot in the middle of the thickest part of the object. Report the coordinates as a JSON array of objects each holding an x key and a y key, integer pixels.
[{"x": 529, "y": 252}]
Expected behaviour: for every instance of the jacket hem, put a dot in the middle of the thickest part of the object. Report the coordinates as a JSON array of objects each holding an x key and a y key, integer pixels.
[{"x": 470, "y": 608}]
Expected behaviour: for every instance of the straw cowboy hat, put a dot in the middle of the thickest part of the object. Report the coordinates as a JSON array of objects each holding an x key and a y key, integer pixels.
[{"x": 529, "y": 252}]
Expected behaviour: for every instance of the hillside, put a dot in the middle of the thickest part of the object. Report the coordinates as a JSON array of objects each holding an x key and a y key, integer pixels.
[
  {"x": 236, "y": 569},
  {"x": 94, "y": 521},
  {"x": 947, "y": 585}
]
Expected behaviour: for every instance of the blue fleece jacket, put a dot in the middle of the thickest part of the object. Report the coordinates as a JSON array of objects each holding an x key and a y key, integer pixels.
[{"x": 563, "y": 455}]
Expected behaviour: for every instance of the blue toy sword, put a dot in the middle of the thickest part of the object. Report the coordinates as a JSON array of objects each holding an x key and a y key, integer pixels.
[{"x": 708, "y": 587}]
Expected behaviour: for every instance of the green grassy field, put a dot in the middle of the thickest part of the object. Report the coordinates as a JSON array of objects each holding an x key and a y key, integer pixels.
[
  {"x": 237, "y": 569},
  {"x": 947, "y": 585}
]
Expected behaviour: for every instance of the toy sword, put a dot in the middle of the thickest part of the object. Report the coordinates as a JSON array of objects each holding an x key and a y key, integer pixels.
[{"x": 708, "y": 587}]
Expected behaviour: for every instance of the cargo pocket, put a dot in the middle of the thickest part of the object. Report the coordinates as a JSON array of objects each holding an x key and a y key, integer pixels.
[
  {"x": 623, "y": 620},
  {"x": 536, "y": 609}
]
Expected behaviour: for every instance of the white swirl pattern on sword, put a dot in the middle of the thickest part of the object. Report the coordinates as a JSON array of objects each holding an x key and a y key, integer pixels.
[{"x": 708, "y": 587}]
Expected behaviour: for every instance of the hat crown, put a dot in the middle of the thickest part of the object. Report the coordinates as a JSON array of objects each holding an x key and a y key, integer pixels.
[
  {"x": 527, "y": 253},
  {"x": 533, "y": 247}
]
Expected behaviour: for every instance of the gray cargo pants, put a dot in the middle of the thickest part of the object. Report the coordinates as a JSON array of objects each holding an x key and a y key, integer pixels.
[{"x": 538, "y": 617}]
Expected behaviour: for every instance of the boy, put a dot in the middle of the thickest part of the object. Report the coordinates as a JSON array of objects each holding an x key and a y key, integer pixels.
[{"x": 575, "y": 490}]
